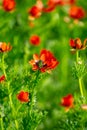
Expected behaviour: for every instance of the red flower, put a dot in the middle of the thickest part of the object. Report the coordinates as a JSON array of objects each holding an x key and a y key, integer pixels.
[
  {"x": 35, "y": 40},
  {"x": 67, "y": 101},
  {"x": 4, "y": 47},
  {"x": 2, "y": 78},
  {"x": 23, "y": 96},
  {"x": 76, "y": 12},
  {"x": 51, "y": 5},
  {"x": 77, "y": 44},
  {"x": 36, "y": 10},
  {"x": 8, "y": 5},
  {"x": 45, "y": 62}
]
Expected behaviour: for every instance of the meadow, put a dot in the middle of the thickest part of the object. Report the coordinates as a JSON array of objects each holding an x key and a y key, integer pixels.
[{"x": 43, "y": 65}]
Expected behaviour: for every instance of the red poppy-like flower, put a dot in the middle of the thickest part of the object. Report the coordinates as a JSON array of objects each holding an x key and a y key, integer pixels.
[
  {"x": 45, "y": 62},
  {"x": 2, "y": 78},
  {"x": 55, "y": 2},
  {"x": 67, "y": 101},
  {"x": 76, "y": 12},
  {"x": 36, "y": 10},
  {"x": 8, "y": 5},
  {"x": 76, "y": 44},
  {"x": 23, "y": 96},
  {"x": 51, "y": 5},
  {"x": 5, "y": 47},
  {"x": 35, "y": 40}
]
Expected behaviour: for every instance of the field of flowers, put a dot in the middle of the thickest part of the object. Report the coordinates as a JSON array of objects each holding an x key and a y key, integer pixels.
[{"x": 43, "y": 65}]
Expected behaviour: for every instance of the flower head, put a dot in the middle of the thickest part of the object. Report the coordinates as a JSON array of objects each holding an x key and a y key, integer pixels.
[
  {"x": 5, "y": 47},
  {"x": 23, "y": 96},
  {"x": 67, "y": 101},
  {"x": 2, "y": 78},
  {"x": 76, "y": 12},
  {"x": 35, "y": 40},
  {"x": 76, "y": 44},
  {"x": 8, "y": 5},
  {"x": 36, "y": 10},
  {"x": 45, "y": 62}
]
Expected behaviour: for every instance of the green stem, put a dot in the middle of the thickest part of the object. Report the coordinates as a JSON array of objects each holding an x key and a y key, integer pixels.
[
  {"x": 77, "y": 56},
  {"x": 3, "y": 66},
  {"x": 10, "y": 98},
  {"x": 12, "y": 107},
  {"x": 79, "y": 78},
  {"x": 2, "y": 128},
  {"x": 80, "y": 85}
]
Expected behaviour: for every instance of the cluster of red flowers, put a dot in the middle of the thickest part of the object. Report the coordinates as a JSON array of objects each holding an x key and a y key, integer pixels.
[{"x": 5, "y": 47}]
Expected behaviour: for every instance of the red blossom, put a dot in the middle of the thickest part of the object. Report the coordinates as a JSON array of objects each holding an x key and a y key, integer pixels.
[
  {"x": 5, "y": 47},
  {"x": 45, "y": 62},
  {"x": 67, "y": 101},
  {"x": 8, "y": 5},
  {"x": 2, "y": 78},
  {"x": 36, "y": 10},
  {"x": 34, "y": 40},
  {"x": 76, "y": 12},
  {"x": 76, "y": 44},
  {"x": 23, "y": 96}
]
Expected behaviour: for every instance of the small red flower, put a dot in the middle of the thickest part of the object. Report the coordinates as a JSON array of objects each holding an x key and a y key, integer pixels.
[
  {"x": 67, "y": 101},
  {"x": 2, "y": 78},
  {"x": 76, "y": 12},
  {"x": 36, "y": 10},
  {"x": 8, "y": 5},
  {"x": 23, "y": 96},
  {"x": 34, "y": 40},
  {"x": 5, "y": 47},
  {"x": 51, "y": 5},
  {"x": 76, "y": 44},
  {"x": 45, "y": 62}
]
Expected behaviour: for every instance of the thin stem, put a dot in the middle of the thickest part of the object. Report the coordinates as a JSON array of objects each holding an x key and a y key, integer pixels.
[
  {"x": 79, "y": 78},
  {"x": 12, "y": 106},
  {"x": 80, "y": 85},
  {"x": 10, "y": 98},
  {"x": 3, "y": 66},
  {"x": 2, "y": 127},
  {"x": 77, "y": 56}
]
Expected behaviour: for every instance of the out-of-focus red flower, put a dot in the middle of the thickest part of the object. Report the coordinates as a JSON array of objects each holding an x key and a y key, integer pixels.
[
  {"x": 8, "y": 5},
  {"x": 76, "y": 12},
  {"x": 23, "y": 96},
  {"x": 34, "y": 40},
  {"x": 2, "y": 78},
  {"x": 76, "y": 44},
  {"x": 67, "y": 101},
  {"x": 49, "y": 9},
  {"x": 45, "y": 62},
  {"x": 5, "y": 47},
  {"x": 51, "y": 5},
  {"x": 36, "y": 10},
  {"x": 55, "y": 2}
]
